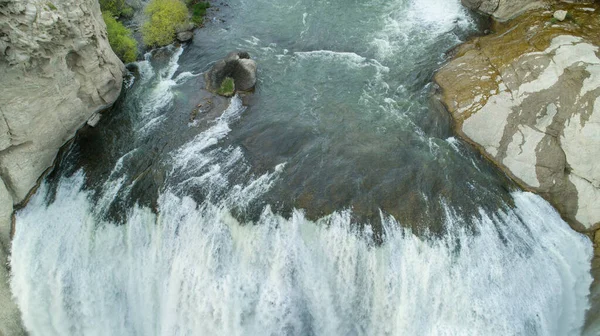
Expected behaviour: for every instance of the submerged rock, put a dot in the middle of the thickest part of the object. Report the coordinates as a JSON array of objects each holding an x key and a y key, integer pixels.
[{"x": 238, "y": 66}]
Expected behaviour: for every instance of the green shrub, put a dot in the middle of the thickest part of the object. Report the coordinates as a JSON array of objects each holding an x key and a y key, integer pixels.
[
  {"x": 117, "y": 7},
  {"x": 164, "y": 16},
  {"x": 120, "y": 38},
  {"x": 198, "y": 12},
  {"x": 227, "y": 88}
]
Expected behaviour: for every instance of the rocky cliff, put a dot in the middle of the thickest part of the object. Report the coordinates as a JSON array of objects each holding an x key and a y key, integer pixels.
[
  {"x": 57, "y": 69},
  {"x": 528, "y": 96}
]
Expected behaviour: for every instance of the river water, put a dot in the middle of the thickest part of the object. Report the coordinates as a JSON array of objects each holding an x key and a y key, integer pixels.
[{"x": 334, "y": 200}]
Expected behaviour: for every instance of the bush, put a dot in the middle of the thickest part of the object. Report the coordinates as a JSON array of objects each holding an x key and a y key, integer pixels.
[
  {"x": 120, "y": 38},
  {"x": 198, "y": 12},
  {"x": 164, "y": 17},
  {"x": 117, "y": 7}
]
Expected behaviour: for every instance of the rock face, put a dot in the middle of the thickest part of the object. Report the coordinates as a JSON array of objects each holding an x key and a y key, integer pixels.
[
  {"x": 529, "y": 98},
  {"x": 56, "y": 70},
  {"x": 236, "y": 65}
]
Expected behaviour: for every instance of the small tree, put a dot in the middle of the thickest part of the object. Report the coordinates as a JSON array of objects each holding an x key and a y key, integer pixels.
[
  {"x": 116, "y": 7},
  {"x": 164, "y": 16},
  {"x": 120, "y": 38}
]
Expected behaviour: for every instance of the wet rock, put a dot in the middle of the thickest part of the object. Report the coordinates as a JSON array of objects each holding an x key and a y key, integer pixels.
[
  {"x": 560, "y": 15},
  {"x": 185, "y": 36},
  {"x": 94, "y": 120},
  {"x": 238, "y": 66},
  {"x": 529, "y": 98}
]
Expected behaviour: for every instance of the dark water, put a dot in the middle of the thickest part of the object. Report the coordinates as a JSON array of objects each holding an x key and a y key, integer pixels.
[{"x": 257, "y": 216}]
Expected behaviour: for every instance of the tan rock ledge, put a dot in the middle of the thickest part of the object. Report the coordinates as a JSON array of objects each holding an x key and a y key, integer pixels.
[{"x": 528, "y": 97}]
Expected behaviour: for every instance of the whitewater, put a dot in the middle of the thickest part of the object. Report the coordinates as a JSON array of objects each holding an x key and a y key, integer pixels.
[{"x": 223, "y": 249}]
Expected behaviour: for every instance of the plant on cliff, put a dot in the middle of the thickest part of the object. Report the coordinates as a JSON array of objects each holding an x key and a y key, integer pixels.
[
  {"x": 164, "y": 17},
  {"x": 117, "y": 7},
  {"x": 120, "y": 38},
  {"x": 198, "y": 9}
]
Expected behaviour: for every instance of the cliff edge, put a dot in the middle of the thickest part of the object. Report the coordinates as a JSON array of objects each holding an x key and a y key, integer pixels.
[{"x": 57, "y": 69}]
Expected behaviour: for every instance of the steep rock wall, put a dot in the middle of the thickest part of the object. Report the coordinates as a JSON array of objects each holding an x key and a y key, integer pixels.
[{"x": 56, "y": 70}]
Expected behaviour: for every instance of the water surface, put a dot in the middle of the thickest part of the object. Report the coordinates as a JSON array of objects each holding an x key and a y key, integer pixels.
[{"x": 334, "y": 200}]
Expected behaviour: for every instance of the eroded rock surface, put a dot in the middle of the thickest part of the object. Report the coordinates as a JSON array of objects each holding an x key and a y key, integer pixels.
[
  {"x": 529, "y": 98},
  {"x": 56, "y": 70}
]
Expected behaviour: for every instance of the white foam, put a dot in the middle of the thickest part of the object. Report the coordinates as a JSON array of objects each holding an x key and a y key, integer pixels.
[
  {"x": 194, "y": 270},
  {"x": 407, "y": 20}
]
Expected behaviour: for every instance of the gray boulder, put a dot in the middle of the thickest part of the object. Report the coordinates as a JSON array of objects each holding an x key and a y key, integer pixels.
[
  {"x": 236, "y": 65},
  {"x": 185, "y": 36}
]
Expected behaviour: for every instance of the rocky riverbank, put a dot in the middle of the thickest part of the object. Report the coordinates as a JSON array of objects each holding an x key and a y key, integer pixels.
[
  {"x": 57, "y": 71},
  {"x": 528, "y": 97}
]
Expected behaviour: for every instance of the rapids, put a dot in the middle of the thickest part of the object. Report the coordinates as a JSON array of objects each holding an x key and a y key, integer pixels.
[{"x": 334, "y": 200}]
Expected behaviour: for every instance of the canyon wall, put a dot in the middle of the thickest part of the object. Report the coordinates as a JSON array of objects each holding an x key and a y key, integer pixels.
[{"x": 56, "y": 70}]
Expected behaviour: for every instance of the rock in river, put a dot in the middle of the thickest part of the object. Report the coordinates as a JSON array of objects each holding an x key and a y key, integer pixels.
[{"x": 236, "y": 65}]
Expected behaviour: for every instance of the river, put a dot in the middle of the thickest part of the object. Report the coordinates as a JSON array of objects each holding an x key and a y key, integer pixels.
[{"x": 334, "y": 200}]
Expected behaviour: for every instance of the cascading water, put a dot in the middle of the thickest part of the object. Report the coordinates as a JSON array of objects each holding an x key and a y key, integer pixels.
[{"x": 336, "y": 203}]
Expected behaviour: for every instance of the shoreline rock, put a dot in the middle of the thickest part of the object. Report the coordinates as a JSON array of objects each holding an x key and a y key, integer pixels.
[{"x": 528, "y": 98}]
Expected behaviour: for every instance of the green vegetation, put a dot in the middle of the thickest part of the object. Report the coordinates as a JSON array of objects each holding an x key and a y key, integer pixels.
[
  {"x": 120, "y": 38},
  {"x": 227, "y": 88},
  {"x": 198, "y": 9},
  {"x": 50, "y": 6},
  {"x": 118, "y": 8},
  {"x": 164, "y": 17}
]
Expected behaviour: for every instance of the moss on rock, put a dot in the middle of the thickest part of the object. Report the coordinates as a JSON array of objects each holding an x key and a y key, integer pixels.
[{"x": 227, "y": 87}]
